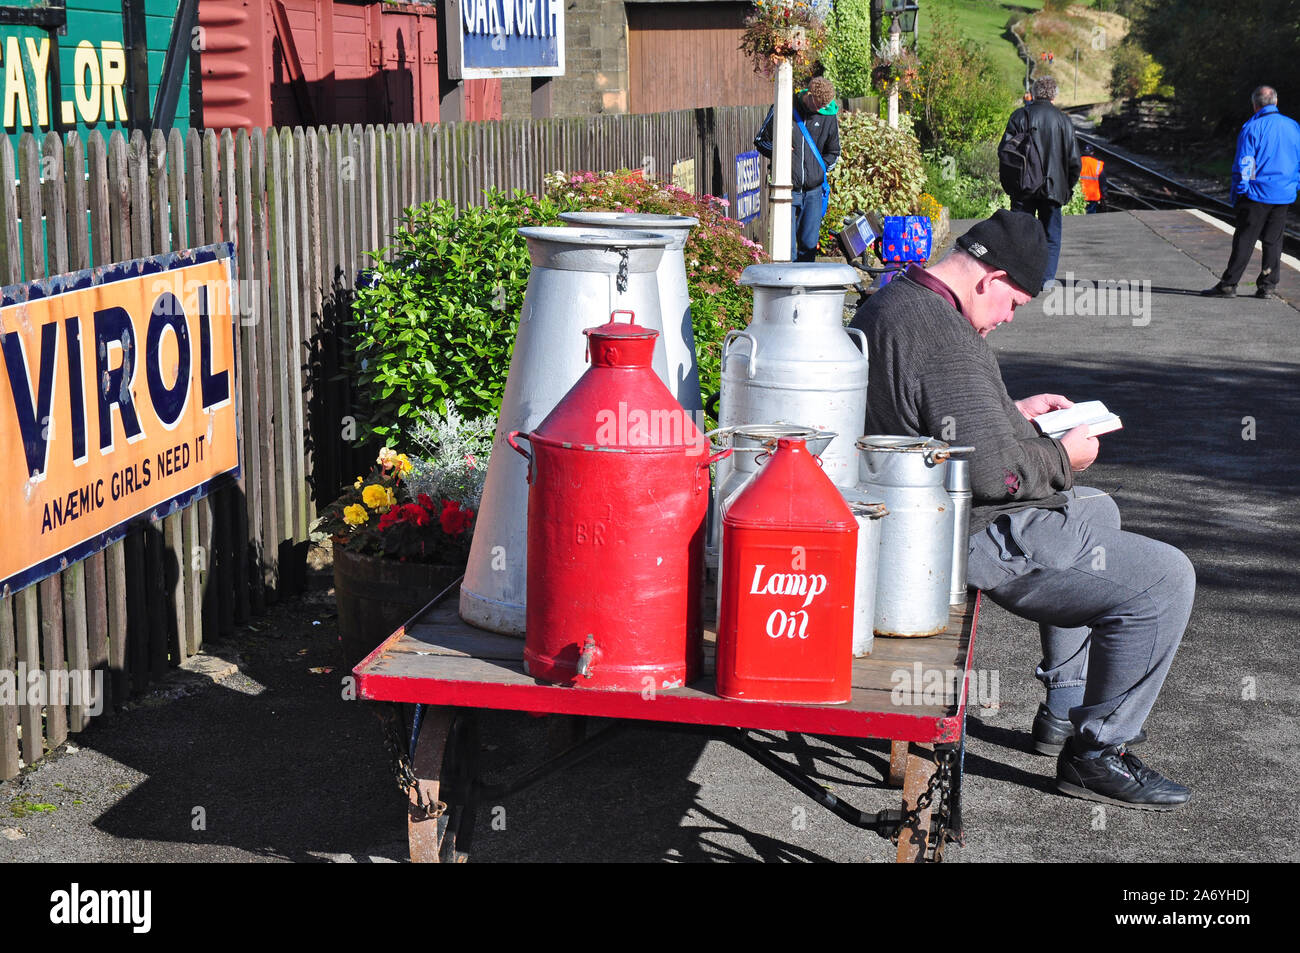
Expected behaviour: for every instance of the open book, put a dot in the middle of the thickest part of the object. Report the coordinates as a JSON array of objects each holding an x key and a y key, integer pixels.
[{"x": 1092, "y": 413}]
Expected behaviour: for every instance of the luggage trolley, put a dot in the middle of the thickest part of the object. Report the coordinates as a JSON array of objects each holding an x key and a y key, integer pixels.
[{"x": 450, "y": 671}]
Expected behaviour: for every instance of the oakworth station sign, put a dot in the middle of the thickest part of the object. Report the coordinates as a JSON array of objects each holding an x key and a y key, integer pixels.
[
  {"x": 117, "y": 403},
  {"x": 495, "y": 39}
]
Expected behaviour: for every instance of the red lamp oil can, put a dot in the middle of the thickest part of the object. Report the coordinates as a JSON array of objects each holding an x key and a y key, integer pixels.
[
  {"x": 618, "y": 491},
  {"x": 785, "y": 619}
]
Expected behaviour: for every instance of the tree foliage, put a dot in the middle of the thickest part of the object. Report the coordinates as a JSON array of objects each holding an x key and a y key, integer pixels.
[
  {"x": 847, "y": 57},
  {"x": 962, "y": 97},
  {"x": 1215, "y": 53}
]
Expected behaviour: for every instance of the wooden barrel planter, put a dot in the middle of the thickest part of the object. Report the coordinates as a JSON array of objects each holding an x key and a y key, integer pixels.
[{"x": 376, "y": 595}]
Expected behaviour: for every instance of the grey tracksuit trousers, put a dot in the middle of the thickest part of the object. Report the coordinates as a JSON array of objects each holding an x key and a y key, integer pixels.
[{"x": 1111, "y": 605}]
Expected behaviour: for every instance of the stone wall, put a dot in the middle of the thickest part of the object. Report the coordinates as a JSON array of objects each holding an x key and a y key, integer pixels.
[{"x": 595, "y": 65}]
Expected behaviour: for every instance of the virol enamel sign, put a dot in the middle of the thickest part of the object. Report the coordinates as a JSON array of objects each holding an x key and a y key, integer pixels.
[{"x": 117, "y": 402}]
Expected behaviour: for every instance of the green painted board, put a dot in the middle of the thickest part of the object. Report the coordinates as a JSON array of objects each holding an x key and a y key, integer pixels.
[{"x": 93, "y": 69}]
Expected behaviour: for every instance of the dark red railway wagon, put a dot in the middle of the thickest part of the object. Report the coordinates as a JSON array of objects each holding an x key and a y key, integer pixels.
[{"x": 322, "y": 62}]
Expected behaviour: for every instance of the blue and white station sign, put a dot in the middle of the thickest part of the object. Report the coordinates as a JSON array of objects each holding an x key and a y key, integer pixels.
[
  {"x": 502, "y": 38},
  {"x": 749, "y": 184}
]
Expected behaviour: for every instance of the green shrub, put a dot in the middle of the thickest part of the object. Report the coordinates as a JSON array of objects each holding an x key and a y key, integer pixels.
[
  {"x": 964, "y": 184},
  {"x": 962, "y": 96},
  {"x": 716, "y": 252},
  {"x": 1077, "y": 204},
  {"x": 1133, "y": 72},
  {"x": 879, "y": 170},
  {"x": 438, "y": 323}
]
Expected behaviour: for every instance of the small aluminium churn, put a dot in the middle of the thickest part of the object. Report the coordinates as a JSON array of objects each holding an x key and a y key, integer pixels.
[{"x": 913, "y": 582}]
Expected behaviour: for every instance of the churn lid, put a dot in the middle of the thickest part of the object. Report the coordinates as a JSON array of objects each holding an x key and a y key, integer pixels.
[{"x": 620, "y": 344}]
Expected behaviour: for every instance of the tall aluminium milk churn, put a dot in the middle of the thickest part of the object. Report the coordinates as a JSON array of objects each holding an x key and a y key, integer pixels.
[
  {"x": 616, "y": 511},
  {"x": 869, "y": 515},
  {"x": 674, "y": 295},
  {"x": 579, "y": 276},
  {"x": 907, "y": 474},
  {"x": 797, "y": 361},
  {"x": 785, "y": 625}
]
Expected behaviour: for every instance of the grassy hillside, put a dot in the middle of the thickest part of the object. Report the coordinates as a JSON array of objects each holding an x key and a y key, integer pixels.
[
  {"x": 985, "y": 21},
  {"x": 1093, "y": 34}
]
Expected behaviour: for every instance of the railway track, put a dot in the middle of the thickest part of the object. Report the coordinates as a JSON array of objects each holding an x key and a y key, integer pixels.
[{"x": 1135, "y": 185}]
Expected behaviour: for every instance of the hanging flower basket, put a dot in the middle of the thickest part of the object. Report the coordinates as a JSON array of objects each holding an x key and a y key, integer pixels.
[{"x": 777, "y": 33}]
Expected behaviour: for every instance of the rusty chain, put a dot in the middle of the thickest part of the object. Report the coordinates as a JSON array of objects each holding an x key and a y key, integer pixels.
[
  {"x": 940, "y": 781},
  {"x": 403, "y": 771},
  {"x": 621, "y": 280}
]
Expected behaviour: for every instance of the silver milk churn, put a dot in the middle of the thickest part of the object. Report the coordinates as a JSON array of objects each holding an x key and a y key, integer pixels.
[
  {"x": 870, "y": 517},
  {"x": 579, "y": 277},
  {"x": 958, "y": 485},
  {"x": 674, "y": 296},
  {"x": 752, "y": 445},
  {"x": 907, "y": 475},
  {"x": 797, "y": 361}
]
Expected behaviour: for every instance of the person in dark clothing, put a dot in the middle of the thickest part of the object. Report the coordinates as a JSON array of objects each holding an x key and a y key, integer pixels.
[
  {"x": 1111, "y": 605},
  {"x": 817, "y": 108},
  {"x": 1265, "y": 174},
  {"x": 1054, "y": 135}
]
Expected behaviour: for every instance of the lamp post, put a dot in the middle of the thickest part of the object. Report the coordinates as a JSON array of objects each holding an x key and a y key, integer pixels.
[{"x": 902, "y": 19}]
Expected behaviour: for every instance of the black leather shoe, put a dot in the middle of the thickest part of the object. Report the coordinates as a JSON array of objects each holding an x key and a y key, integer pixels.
[
  {"x": 1220, "y": 291},
  {"x": 1117, "y": 777},
  {"x": 1050, "y": 733},
  {"x": 1264, "y": 293}
]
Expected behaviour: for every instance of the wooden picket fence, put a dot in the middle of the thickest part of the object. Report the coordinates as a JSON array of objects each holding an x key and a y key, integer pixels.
[{"x": 303, "y": 209}]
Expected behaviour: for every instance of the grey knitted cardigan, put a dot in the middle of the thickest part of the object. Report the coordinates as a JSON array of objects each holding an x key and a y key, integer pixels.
[{"x": 932, "y": 375}]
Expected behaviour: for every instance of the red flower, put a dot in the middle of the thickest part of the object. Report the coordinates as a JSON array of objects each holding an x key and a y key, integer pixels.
[
  {"x": 406, "y": 513},
  {"x": 454, "y": 519},
  {"x": 426, "y": 501}
]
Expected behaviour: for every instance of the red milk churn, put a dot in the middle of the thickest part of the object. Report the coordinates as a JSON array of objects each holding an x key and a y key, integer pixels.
[
  {"x": 618, "y": 491},
  {"x": 785, "y": 622}
]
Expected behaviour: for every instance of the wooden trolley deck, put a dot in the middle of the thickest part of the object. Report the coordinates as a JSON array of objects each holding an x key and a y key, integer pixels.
[{"x": 910, "y": 691}]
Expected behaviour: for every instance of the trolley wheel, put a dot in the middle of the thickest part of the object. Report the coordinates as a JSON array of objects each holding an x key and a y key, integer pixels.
[
  {"x": 914, "y": 837},
  {"x": 446, "y": 767}
]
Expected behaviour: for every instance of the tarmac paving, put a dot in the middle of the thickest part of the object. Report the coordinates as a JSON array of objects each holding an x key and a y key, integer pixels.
[{"x": 261, "y": 759}]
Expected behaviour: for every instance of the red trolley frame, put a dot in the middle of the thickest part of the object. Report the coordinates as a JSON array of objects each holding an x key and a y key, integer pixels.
[{"x": 452, "y": 670}]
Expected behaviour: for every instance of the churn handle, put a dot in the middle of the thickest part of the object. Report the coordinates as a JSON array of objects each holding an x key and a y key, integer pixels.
[
  {"x": 939, "y": 456},
  {"x": 862, "y": 337},
  {"x": 702, "y": 468},
  {"x": 753, "y": 348},
  {"x": 724, "y": 452},
  {"x": 510, "y": 439},
  {"x": 631, "y": 315}
]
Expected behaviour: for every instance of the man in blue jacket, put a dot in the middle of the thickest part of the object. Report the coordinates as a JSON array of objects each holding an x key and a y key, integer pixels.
[
  {"x": 1265, "y": 174},
  {"x": 814, "y": 153}
]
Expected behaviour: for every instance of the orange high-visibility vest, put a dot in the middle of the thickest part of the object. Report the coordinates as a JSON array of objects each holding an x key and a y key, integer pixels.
[{"x": 1090, "y": 176}]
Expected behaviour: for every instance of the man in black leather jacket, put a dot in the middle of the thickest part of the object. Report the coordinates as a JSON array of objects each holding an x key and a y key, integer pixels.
[
  {"x": 1053, "y": 133},
  {"x": 817, "y": 107}
]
